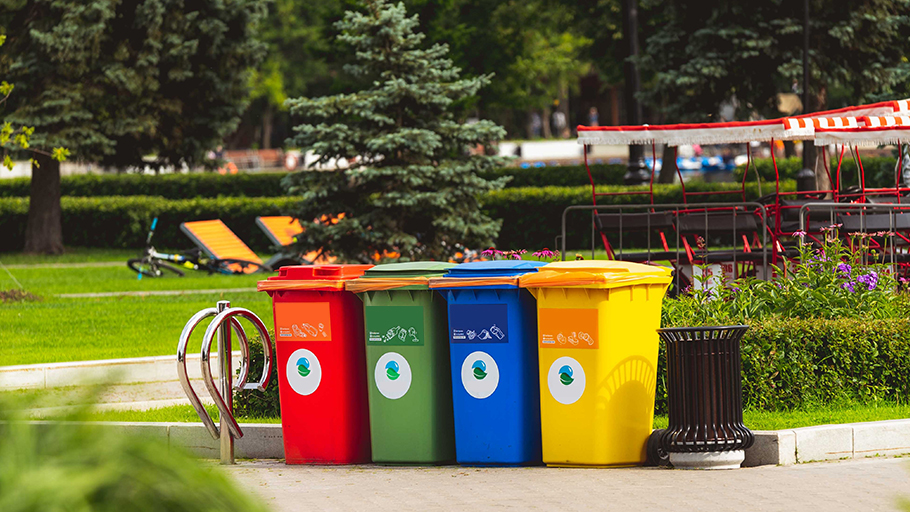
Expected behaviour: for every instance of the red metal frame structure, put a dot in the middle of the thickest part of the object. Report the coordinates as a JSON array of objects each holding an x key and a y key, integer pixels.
[{"x": 854, "y": 124}]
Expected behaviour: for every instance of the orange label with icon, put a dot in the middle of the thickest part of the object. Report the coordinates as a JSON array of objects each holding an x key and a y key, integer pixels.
[
  {"x": 302, "y": 321},
  {"x": 567, "y": 328}
]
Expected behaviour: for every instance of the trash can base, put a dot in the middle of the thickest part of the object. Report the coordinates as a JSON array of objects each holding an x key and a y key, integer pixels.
[{"x": 708, "y": 460}]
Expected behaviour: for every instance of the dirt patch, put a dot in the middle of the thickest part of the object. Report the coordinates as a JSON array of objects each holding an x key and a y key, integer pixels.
[{"x": 17, "y": 296}]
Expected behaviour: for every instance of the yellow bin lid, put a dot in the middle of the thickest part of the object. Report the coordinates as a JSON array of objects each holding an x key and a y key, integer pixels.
[{"x": 595, "y": 274}]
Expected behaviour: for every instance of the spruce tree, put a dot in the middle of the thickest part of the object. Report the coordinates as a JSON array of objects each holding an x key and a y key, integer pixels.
[{"x": 413, "y": 184}]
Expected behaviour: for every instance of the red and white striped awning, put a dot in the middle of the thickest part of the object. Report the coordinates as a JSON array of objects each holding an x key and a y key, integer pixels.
[
  {"x": 865, "y": 131},
  {"x": 793, "y": 128}
]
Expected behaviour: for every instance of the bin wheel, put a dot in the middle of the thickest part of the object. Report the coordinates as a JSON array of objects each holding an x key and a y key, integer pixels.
[{"x": 656, "y": 455}]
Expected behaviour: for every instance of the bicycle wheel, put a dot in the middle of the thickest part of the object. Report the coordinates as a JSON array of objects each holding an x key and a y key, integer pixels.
[
  {"x": 152, "y": 268},
  {"x": 235, "y": 266}
]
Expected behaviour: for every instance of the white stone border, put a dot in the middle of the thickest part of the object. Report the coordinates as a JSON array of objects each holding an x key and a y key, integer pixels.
[{"x": 110, "y": 371}]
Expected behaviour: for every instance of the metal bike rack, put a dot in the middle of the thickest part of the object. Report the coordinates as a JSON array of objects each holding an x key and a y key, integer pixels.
[{"x": 225, "y": 321}]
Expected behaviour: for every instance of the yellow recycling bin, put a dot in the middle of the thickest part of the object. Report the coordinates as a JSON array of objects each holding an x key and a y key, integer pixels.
[{"x": 597, "y": 327}]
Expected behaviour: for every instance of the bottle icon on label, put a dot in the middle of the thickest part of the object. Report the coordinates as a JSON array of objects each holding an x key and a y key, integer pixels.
[
  {"x": 309, "y": 329},
  {"x": 497, "y": 332},
  {"x": 390, "y": 335},
  {"x": 585, "y": 337},
  {"x": 297, "y": 331},
  {"x": 322, "y": 330}
]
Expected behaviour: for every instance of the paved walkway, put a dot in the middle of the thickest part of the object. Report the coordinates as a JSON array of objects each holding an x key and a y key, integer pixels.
[{"x": 853, "y": 486}]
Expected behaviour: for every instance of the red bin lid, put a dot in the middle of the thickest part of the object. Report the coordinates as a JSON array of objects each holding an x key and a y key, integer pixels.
[{"x": 312, "y": 277}]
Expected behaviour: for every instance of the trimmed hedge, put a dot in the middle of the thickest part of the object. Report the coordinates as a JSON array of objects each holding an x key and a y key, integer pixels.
[
  {"x": 171, "y": 186},
  {"x": 192, "y": 185},
  {"x": 794, "y": 363},
  {"x": 122, "y": 222},
  {"x": 531, "y": 216},
  {"x": 879, "y": 171}
]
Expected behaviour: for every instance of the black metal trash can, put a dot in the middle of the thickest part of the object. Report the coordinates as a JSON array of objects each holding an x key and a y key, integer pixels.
[{"x": 704, "y": 387}]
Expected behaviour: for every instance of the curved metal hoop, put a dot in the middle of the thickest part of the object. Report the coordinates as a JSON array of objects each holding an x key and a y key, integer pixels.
[
  {"x": 210, "y": 333},
  {"x": 181, "y": 365}
]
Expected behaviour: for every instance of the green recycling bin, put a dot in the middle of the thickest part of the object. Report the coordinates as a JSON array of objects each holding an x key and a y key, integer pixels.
[{"x": 407, "y": 347}]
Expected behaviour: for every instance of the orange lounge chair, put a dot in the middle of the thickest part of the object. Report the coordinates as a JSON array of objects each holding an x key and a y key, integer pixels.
[
  {"x": 218, "y": 241},
  {"x": 283, "y": 231}
]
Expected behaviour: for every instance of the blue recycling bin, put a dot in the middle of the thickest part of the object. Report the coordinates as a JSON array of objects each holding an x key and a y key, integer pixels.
[{"x": 493, "y": 343}]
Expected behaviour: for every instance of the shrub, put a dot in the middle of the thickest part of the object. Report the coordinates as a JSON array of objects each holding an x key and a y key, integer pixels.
[
  {"x": 259, "y": 404},
  {"x": 791, "y": 363},
  {"x": 80, "y": 466}
]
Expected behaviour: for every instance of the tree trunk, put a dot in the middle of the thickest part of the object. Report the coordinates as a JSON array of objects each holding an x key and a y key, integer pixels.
[
  {"x": 790, "y": 149},
  {"x": 43, "y": 231},
  {"x": 668, "y": 169},
  {"x": 810, "y": 150},
  {"x": 564, "y": 108},
  {"x": 546, "y": 123},
  {"x": 267, "y": 117}
]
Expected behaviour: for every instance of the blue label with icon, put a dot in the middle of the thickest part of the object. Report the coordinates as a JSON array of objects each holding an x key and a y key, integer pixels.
[{"x": 478, "y": 323}]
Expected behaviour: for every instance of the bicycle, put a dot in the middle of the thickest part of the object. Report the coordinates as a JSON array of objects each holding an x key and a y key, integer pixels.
[{"x": 152, "y": 263}]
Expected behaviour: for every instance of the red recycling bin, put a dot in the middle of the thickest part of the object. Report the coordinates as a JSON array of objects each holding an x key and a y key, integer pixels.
[{"x": 321, "y": 378}]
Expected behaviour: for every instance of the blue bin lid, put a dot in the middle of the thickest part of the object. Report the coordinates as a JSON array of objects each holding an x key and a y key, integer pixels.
[{"x": 500, "y": 268}]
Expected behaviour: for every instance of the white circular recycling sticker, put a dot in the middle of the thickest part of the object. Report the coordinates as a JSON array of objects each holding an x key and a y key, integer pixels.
[
  {"x": 479, "y": 374},
  {"x": 304, "y": 372},
  {"x": 566, "y": 380},
  {"x": 392, "y": 375}
]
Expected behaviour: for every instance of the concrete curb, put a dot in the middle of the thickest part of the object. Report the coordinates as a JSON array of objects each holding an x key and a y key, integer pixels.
[
  {"x": 108, "y": 371},
  {"x": 830, "y": 442},
  {"x": 259, "y": 441},
  {"x": 776, "y": 447}
]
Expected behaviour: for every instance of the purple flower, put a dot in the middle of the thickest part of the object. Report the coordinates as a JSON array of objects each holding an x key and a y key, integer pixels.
[
  {"x": 799, "y": 233},
  {"x": 544, "y": 253},
  {"x": 492, "y": 252},
  {"x": 844, "y": 268},
  {"x": 870, "y": 280},
  {"x": 848, "y": 286}
]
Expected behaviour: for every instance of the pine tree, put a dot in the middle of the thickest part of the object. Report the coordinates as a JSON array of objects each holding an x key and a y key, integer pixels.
[{"x": 413, "y": 183}]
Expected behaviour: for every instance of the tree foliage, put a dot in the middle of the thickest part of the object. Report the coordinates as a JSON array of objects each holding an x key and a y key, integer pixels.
[
  {"x": 412, "y": 187},
  {"x": 706, "y": 53}
]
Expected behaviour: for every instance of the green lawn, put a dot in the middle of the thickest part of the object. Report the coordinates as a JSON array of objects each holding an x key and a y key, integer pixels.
[
  {"x": 57, "y": 330},
  {"x": 72, "y": 255},
  {"x": 829, "y": 415},
  {"x": 175, "y": 414},
  {"x": 46, "y": 281}
]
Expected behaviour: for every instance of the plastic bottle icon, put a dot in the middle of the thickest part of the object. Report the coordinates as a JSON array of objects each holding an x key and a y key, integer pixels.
[
  {"x": 583, "y": 336},
  {"x": 497, "y": 332},
  {"x": 390, "y": 335},
  {"x": 310, "y": 329},
  {"x": 297, "y": 331}
]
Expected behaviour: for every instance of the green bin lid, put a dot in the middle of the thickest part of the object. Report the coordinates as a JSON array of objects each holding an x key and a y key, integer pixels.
[{"x": 410, "y": 269}]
